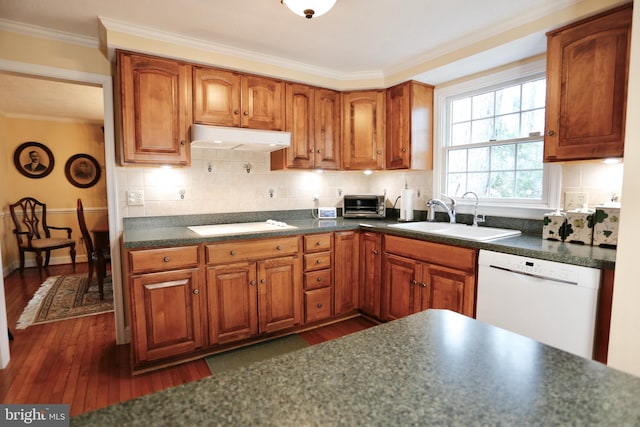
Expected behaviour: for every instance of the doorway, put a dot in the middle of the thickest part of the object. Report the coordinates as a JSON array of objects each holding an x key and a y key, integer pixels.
[{"x": 105, "y": 83}]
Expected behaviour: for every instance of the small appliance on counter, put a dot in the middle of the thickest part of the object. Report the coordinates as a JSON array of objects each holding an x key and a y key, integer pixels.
[{"x": 364, "y": 206}]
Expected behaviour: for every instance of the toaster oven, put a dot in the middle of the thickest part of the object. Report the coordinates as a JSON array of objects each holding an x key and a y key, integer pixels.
[{"x": 363, "y": 206}]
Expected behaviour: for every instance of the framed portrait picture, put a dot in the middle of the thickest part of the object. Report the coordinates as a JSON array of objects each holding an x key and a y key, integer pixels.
[
  {"x": 33, "y": 159},
  {"x": 82, "y": 170}
]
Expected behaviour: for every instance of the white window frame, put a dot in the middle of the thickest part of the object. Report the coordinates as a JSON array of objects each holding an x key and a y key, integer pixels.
[{"x": 552, "y": 172}]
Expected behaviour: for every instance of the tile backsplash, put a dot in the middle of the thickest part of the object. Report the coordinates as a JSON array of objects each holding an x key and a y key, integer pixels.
[{"x": 218, "y": 182}]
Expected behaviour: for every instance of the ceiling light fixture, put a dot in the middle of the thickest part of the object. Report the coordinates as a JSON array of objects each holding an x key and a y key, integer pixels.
[{"x": 309, "y": 8}]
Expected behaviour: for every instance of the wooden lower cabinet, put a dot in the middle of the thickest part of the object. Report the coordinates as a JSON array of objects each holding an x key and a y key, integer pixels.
[
  {"x": 166, "y": 315},
  {"x": 419, "y": 275},
  {"x": 346, "y": 271},
  {"x": 251, "y": 298},
  {"x": 370, "y": 273}
]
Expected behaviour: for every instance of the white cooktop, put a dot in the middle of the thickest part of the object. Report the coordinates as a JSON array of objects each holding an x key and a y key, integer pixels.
[{"x": 240, "y": 228}]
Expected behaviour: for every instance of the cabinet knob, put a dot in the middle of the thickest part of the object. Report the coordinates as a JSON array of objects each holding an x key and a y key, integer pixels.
[
  {"x": 182, "y": 142},
  {"x": 319, "y": 279},
  {"x": 319, "y": 151},
  {"x": 166, "y": 259},
  {"x": 318, "y": 243},
  {"x": 196, "y": 291},
  {"x": 233, "y": 253},
  {"x": 414, "y": 282},
  {"x": 263, "y": 281},
  {"x": 404, "y": 150},
  {"x": 279, "y": 247},
  {"x": 311, "y": 150},
  {"x": 252, "y": 283},
  {"x": 318, "y": 261},
  {"x": 246, "y": 113},
  {"x": 375, "y": 252},
  {"x": 424, "y": 285},
  {"x": 319, "y": 305},
  {"x": 550, "y": 133},
  {"x": 236, "y": 112},
  {"x": 379, "y": 151}
]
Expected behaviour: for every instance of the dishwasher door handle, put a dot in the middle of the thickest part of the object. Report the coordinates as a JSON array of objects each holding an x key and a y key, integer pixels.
[{"x": 537, "y": 276}]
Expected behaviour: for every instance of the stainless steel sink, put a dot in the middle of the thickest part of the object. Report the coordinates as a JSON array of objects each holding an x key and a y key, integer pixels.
[
  {"x": 240, "y": 228},
  {"x": 461, "y": 231}
]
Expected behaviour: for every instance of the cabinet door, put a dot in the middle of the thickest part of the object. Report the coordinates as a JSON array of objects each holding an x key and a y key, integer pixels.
[
  {"x": 166, "y": 318},
  {"x": 447, "y": 288},
  {"x": 363, "y": 130},
  {"x": 155, "y": 107},
  {"x": 409, "y": 126},
  {"x": 232, "y": 296},
  {"x": 328, "y": 113},
  {"x": 299, "y": 121},
  {"x": 346, "y": 262},
  {"x": 587, "y": 71},
  {"x": 401, "y": 289},
  {"x": 262, "y": 103},
  {"x": 371, "y": 273},
  {"x": 216, "y": 97},
  {"x": 279, "y": 293}
]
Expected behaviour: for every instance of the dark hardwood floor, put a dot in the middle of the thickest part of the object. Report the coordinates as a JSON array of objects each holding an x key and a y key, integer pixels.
[{"x": 77, "y": 362}]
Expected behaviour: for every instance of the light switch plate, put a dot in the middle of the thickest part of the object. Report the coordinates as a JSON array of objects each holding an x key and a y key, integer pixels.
[
  {"x": 135, "y": 198},
  {"x": 575, "y": 200}
]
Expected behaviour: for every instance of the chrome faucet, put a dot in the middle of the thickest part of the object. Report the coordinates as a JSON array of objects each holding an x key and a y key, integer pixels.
[
  {"x": 476, "y": 218},
  {"x": 437, "y": 202}
]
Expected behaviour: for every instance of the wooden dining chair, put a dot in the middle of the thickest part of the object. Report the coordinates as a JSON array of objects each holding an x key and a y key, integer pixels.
[
  {"x": 97, "y": 261},
  {"x": 34, "y": 234}
]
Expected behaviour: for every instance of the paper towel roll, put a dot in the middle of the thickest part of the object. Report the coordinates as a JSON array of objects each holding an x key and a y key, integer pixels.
[{"x": 406, "y": 204}]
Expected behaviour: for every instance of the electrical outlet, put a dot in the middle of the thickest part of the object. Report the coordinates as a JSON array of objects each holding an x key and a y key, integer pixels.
[
  {"x": 135, "y": 198},
  {"x": 575, "y": 200}
]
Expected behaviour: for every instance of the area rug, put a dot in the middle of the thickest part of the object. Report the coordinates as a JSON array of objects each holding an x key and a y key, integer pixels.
[
  {"x": 254, "y": 353},
  {"x": 64, "y": 297}
]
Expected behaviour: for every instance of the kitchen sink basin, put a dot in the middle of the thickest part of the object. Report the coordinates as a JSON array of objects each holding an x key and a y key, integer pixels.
[
  {"x": 240, "y": 228},
  {"x": 461, "y": 231}
]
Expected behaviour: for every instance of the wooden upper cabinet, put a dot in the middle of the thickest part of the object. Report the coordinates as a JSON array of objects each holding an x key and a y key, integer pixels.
[
  {"x": 313, "y": 118},
  {"x": 363, "y": 130},
  {"x": 155, "y": 110},
  {"x": 409, "y": 125},
  {"x": 227, "y": 98},
  {"x": 587, "y": 71}
]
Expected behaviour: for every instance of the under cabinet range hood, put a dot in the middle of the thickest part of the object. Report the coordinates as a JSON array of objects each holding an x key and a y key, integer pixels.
[{"x": 230, "y": 138}]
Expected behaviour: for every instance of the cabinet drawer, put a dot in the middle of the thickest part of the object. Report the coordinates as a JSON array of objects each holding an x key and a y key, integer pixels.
[
  {"x": 435, "y": 253},
  {"x": 317, "y": 242},
  {"x": 317, "y": 261},
  {"x": 317, "y": 304},
  {"x": 317, "y": 279},
  {"x": 161, "y": 259},
  {"x": 250, "y": 249}
]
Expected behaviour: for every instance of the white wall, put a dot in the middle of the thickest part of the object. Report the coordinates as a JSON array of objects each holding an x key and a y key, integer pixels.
[{"x": 624, "y": 345}]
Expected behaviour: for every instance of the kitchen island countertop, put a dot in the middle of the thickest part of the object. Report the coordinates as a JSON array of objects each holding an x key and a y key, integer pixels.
[
  {"x": 156, "y": 232},
  {"x": 432, "y": 368}
]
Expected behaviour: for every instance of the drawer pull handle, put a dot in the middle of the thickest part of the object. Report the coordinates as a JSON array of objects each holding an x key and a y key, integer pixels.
[
  {"x": 166, "y": 259},
  {"x": 196, "y": 291},
  {"x": 279, "y": 247},
  {"x": 318, "y": 243},
  {"x": 319, "y": 279},
  {"x": 233, "y": 253},
  {"x": 375, "y": 252},
  {"x": 319, "y": 305},
  {"x": 319, "y": 261}
]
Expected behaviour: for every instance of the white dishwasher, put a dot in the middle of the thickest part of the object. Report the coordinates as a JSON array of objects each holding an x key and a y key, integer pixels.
[{"x": 551, "y": 302}]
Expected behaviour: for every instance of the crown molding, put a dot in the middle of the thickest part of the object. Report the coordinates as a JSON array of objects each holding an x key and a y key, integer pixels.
[
  {"x": 48, "y": 33},
  {"x": 112, "y": 25}
]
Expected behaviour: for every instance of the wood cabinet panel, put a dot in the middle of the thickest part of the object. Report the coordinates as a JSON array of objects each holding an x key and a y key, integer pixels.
[
  {"x": 370, "y": 273},
  {"x": 162, "y": 259},
  {"x": 216, "y": 96},
  {"x": 437, "y": 253},
  {"x": 399, "y": 297},
  {"x": 327, "y": 127},
  {"x": 166, "y": 313},
  {"x": 318, "y": 279},
  {"x": 154, "y": 106},
  {"x": 279, "y": 294},
  {"x": 409, "y": 126},
  {"x": 232, "y": 296},
  {"x": 346, "y": 271},
  {"x": 243, "y": 250},
  {"x": 587, "y": 73},
  {"x": 317, "y": 242},
  {"x": 317, "y": 261},
  {"x": 263, "y": 103},
  {"x": 317, "y": 304},
  {"x": 363, "y": 130}
]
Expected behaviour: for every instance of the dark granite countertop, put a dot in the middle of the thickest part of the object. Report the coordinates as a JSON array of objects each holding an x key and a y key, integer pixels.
[
  {"x": 172, "y": 231},
  {"x": 432, "y": 368}
]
